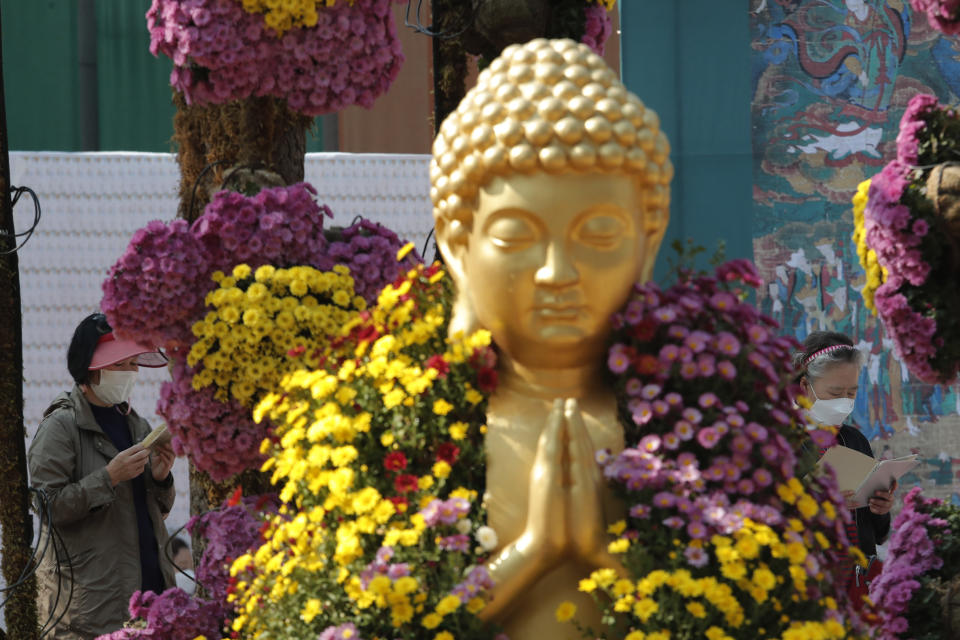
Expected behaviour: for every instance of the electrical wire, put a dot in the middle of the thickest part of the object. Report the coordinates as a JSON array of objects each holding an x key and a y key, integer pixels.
[
  {"x": 16, "y": 193},
  {"x": 419, "y": 27},
  {"x": 53, "y": 622},
  {"x": 166, "y": 553}
]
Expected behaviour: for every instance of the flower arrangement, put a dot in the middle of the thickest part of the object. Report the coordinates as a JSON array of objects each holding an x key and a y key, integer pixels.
[
  {"x": 909, "y": 222},
  {"x": 152, "y": 291},
  {"x": 943, "y": 15},
  {"x": 264, "y": 324},
  {"x": 318, "y": 56},
  {"x": 380, "y": 457},
  {"x": 913, "y": 593},
  {"x": 379, "y": 454},
  {"x": 722, "y": 540}
]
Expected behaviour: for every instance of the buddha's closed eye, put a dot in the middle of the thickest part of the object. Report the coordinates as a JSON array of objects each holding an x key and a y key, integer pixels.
[
  {"x": 512, "y": 233},
  {"x": 603, "y": 231}
]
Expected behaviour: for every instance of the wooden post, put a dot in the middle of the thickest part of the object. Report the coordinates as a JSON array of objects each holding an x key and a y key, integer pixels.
[{"x": 20, "y": 611}]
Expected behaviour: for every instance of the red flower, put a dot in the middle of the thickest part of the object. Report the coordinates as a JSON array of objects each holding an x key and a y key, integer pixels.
[
  {"x": 437, "y": 362},
  {"x": 448, "y": 452},
  {"x": 395, "y": 461},
  {"x": 644, "y": 330},
  {"x": 405, "y": 483},
  {"x": 647, "y": 364},
  {"x": 487, "y": 379},
  {"x": 235, "y": 497}
]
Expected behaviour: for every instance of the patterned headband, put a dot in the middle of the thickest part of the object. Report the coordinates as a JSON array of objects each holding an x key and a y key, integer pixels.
[{"x": 816, "y": 354}]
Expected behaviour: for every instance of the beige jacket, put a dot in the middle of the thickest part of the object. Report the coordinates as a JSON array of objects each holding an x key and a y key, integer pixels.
[{"x": 97, "y": 523}]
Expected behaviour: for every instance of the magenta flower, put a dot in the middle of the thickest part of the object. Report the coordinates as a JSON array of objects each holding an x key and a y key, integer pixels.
[
  {"x": 707, "y": 437},
  {"x": 707, "y": 400}
]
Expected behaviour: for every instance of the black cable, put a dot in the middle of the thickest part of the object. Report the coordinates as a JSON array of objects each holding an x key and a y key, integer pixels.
[
  {"x": 196, "y": 183},
  {"x": 426, "y": 243},
  {"x": 66, "y": 607},
  {"x": 166, "y": 553},
  {"x": 420, "y": 28},
  {"x": 17, "y": 192}
]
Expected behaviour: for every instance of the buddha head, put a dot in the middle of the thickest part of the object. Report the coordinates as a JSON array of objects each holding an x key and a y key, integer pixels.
[{"x": 550, "y": 188}]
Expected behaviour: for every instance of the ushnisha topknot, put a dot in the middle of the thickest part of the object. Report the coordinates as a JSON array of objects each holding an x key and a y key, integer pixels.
[{"x": 549, "y": 106}]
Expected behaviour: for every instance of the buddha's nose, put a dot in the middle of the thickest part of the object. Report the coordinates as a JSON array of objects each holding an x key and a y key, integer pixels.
[{"x": 557, "y": 269}]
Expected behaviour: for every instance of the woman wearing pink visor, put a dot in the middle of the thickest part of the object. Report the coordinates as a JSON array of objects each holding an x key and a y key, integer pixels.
[{"x": 106, "y": 494}]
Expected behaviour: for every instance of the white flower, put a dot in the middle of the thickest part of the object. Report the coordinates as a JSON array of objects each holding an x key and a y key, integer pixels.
[
  {"x": 487, "y": 538},
  {"x": 464, "y": 526}
]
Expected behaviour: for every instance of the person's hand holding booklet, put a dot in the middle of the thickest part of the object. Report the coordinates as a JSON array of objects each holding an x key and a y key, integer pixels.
[
  {"x": 158, "y": 436},
  {"x": 862, "y": 475}
]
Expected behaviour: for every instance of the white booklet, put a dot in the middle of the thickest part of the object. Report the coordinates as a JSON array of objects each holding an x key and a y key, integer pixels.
[{"x": 862, "y": 474}]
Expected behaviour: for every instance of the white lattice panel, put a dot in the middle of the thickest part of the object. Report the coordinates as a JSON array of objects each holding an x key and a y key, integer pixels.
[{"x": 93, "y": 202}]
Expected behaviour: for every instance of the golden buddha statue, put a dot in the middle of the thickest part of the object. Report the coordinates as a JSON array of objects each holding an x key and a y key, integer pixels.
[{"x": 550, "y": 186}]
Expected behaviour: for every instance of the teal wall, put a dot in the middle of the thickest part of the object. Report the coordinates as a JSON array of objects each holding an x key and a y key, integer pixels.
[
  {"x": 690, "y": 61},
  {"x": 40, "y": 69}
]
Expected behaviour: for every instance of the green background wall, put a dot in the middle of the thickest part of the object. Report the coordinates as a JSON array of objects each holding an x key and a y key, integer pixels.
[
  {"x": 41, "y": 77},
  {"x": 690, "y": 61}
]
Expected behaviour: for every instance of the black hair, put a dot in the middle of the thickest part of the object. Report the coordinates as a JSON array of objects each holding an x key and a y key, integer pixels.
[
  {"x": 84, "y": 343},
  {"x": 176, "y": 544},
  {"x": 818, "y": 340}
]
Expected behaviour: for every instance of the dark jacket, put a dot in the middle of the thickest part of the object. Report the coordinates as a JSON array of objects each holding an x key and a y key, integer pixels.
[
  {"x": 871, "y": 528},
  {"x": 97, "y": 522}
]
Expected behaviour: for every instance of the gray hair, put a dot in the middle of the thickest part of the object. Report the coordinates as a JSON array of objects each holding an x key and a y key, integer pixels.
[{"x": 823, "y": 350}]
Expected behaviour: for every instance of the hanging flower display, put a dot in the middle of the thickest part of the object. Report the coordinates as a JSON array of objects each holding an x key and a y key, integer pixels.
[
  {"x": 911, "y": 224},
  {"x": 719, "y": 528},
  {"x": 917, "y": 592},
  {"x": 318, "y": 56}
]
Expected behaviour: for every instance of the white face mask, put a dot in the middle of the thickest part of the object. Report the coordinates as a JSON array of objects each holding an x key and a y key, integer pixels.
[
  {"x": 114, "y": 386},
  {"x": 831, "y": 412}
]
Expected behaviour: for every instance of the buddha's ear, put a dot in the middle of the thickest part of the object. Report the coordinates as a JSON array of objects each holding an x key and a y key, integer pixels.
[
  {"x": 453, "y": 239},
  {"x": 655, "y": 220}
]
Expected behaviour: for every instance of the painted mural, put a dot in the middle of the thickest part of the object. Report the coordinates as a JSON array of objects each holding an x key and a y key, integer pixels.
[{"x": 831, "y": 79}]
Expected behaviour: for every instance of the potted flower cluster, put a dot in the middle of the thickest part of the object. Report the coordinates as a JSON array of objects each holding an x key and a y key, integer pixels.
[
  {"x": 918, "y": 592},
  {"x": 722, "y": 540}
]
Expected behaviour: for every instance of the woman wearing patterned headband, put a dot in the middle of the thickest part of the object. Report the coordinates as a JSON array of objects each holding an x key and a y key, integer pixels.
[{"x": 829, "y": 372}]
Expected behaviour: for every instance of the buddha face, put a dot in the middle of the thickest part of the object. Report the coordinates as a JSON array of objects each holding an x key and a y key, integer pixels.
[{"x": 547, "y": 261}]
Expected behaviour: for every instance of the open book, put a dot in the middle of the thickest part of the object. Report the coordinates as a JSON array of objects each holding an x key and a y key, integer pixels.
[
  {"x": 159, "y": 435},
  {"x": 862, "y": 474}
]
